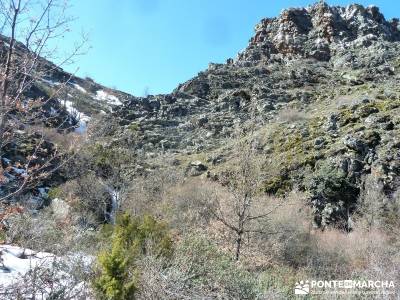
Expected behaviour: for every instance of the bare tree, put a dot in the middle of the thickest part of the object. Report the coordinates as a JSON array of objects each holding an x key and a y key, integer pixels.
[
  {"x": 28, "y": 33},
  {"x": 246, "y": 204}
]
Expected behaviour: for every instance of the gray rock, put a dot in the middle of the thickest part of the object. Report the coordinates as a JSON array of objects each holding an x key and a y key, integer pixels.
[
  {"x": 354, "y": 143},
  {"x": 319, "y": 143},
  {"x": 60, "y": 208},
  {"x": 196, "y": 168},
  {"x": 331, "y": 124}
]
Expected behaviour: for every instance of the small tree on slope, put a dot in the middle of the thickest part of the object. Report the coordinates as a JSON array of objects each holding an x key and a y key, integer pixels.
[{"x": 131, "y": 239}]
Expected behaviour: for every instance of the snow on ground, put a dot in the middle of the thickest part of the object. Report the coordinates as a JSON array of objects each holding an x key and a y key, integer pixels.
[
  {"x": 16, "y": 262},
  {"x": 81, "y": 117},
  {"x": 20, "y": 272},
  {"x": 6, "y": 160},
  {"x": 102, "y": 95},
  {"x": 50, "y": 82},
  {"x": 19, "y": 171},
  {"x": 79, "y": 88}
]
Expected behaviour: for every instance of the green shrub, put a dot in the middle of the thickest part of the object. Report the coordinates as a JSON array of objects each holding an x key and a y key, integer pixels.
[
  {"x": 3, "y": 236},
  {"x": 391, "y": 214},
  {"x": 331, "y": 184},
  {"x": 278, "y": 185},
  {"x": 103, "y": 157},
  {"x": 54, "y": 192},
  {"x": 116, "y": 280},
  {"x": 131, "y": 239},
  {"x": 109, "y": 160},
  {"x": 134, "y": 127},
  {"x": 279, "y": 282}
]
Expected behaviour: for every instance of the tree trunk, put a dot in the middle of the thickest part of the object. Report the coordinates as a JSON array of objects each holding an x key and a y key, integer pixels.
[{"x": 238, "y": 245}]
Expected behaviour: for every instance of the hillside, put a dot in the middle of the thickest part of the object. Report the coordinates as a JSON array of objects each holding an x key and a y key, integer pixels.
[
  {"x": 321, "y": 84},
  {"x": 279, "y": 165}
]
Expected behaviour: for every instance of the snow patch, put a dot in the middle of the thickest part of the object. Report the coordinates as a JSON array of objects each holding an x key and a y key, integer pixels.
[
  {"x": 53, "y": 111},
  {"x": 19, "y": 171},
  {"x": 18, "y": 265},
  {"x": 51, "y": 82},
  {"x": 16, "y": 262},
  {"x": 83, "y": 119},
  {"x": 350, "y": 12},
  {"x": 79, "y": 88},
  {"x": 102, "y": 95},
  {"x": 6, "y": 160}
]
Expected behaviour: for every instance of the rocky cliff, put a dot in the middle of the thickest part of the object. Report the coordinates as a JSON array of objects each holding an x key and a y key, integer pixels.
[
  {"x": 321, "y": 84},
  {"x": 317, "y": 85}
]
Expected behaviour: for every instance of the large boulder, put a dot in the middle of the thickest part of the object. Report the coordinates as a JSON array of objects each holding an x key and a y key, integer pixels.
[{"x": 196, "y": 168}]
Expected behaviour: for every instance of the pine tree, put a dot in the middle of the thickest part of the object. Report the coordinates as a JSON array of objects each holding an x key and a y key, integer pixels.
[{"x": 132, "y": 238}]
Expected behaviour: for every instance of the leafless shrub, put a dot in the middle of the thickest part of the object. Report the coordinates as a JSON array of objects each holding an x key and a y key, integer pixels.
[
  {"x": 291, "y": 242},
  {"x": 148, "y": 193},
  {"x": 246, "y": 207},
  {"x": 370, "y": 203},
  {"x": 30, "y": 26},
  {"x": 197, "y": 271},
  {"x": 188, "y": 205},
  {"x": 362, "y": 253},
  {"x": 43, "y": 232},
  {"x": 33, "y": 232},
  {"x": 90, "y": 199},
  {"x": 391, "y": 214},
  {"x": 71, "y": 143},
  {"x": 53, "y": 278},
  {"x": 382, "y": 262}
]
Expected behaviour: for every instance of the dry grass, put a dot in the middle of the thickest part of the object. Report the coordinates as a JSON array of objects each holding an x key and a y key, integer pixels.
[
  {"x": 65, "y": 142},
  {"x": 364, "y": 254},
  {"x": 281, "y": 245},
  {"x": 290, "y": 115},
  {"x": 355, "y": 246}
]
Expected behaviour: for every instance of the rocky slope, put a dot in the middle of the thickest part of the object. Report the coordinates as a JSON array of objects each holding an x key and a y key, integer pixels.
[
  {"x": 67, "y": 105},
  {"x": 317, "y": 85},
  {"x": 321, "y": 83}
]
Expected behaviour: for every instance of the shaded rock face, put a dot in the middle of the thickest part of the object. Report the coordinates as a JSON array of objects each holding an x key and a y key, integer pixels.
[{"x": 24, "y": 161}]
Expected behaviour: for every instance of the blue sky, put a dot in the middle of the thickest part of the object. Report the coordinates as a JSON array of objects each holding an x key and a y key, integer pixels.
[{"x": 153, "y": 45}]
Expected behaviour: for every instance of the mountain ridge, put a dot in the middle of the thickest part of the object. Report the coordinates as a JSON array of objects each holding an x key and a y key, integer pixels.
[
  {"x": 280, "y": 164},
  {"x": 306, "y": 84},
  {"x": 333, "y": 64}
]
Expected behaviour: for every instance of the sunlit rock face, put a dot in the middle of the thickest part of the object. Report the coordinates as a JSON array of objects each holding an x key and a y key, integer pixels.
[
  {"x": 317, "y": 85},
  {"x": 319, "y": 31}
]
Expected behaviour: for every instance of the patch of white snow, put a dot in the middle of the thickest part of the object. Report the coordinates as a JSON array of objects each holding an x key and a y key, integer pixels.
[
  {"x": 50, "y": 82},
  {"x": 16, "y": 262},
  {"x": 79, "y": 88},
  {"x": 83, "y": 119},
  {"x": 17, "y": 265},
  {"x": 102, "y": 95}
]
